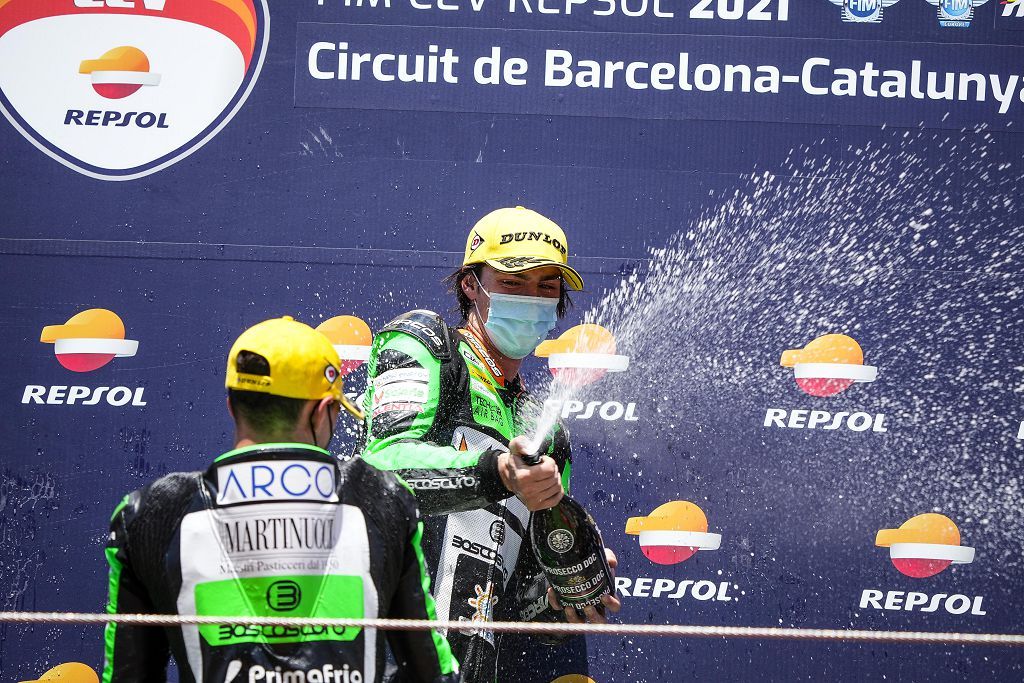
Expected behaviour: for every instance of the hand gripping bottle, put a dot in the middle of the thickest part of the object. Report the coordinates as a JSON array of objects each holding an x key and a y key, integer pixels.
[{"x": 569, "y": 549}]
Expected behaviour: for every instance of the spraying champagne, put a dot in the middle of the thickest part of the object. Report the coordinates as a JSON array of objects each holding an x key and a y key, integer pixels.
[{"x": 565, "y": 539}]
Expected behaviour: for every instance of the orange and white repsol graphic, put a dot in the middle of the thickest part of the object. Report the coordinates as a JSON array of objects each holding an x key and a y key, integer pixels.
[
  {"x": 71, "y": 672},
  {"x": 827, "y": 366},
  {"x": 671, "y": 534},
  {"x": 87, "y": 342},
  {"x": 120, "y": 89},
  {"x": 922, "y": 547},
  {"x": 583, "y": 355},
  {"x": 351, "y": 338}
]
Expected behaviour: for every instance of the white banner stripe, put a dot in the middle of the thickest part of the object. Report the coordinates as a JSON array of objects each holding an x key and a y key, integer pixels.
[
  {"x": 693, "y": 539},
  {"x": 119, "y": 347},
  {"x": 590, "y": 361},
  {"x": 858, "y": 373},
  {"x": 931, "y": 551},
  {"x": 353, "y": 351},
  {"x": 125, "y": 78}
]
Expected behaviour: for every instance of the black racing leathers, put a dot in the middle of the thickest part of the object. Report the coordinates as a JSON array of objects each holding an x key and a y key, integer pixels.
[
  {"x": 279, "y": 530},
  {"x": 439, "y": 413}
]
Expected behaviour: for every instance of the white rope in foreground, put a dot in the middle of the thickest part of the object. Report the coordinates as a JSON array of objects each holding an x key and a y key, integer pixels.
[{"x": 679, "y": 631}]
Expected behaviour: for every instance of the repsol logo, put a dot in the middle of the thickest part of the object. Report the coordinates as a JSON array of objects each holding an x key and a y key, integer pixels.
[
  {"x": 667, "y": 588},
  {"x": 436, "y": 483},
  {"x": 266, "y": 480},
  {"x": 606, "y": 410},
  {"x": 529, "y": 236},
  {"x": 479, "y": 550},
  {"x": 325, "y": 674},
  {"x": 813, "y": 419},
  {"x": 909, "y": 601},
  {"x": 60, "y": 394},
  {"x": 115, "y": 119}
]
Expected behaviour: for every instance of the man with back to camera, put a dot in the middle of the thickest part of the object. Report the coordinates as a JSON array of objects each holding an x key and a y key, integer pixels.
[
  {"x": 275, "y": 527},
  {"x": 446, "y": 409}
]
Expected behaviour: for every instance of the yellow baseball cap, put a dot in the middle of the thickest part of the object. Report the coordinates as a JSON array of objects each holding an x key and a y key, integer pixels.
[
  {"x": 71, "y": 672},
  {"x": 303, "y": 363},
  {"x": 514, "y": 240}
]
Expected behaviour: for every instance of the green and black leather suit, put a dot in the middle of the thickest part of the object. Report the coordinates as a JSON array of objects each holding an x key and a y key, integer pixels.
[
  {"x": 280, "y": 530},
  {"x": 439, "y": 413}
]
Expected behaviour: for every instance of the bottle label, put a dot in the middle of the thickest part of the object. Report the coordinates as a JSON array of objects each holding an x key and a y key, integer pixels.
[
  {"x": 583, "y": 591},
  {"x": 576, "y": 585},
  {"x": 571, "y": 569},
  {"x": 561, "y": 540}
]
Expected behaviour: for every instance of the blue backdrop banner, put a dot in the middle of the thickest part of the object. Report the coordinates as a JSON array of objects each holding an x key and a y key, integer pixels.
[{"x": 799, "y": 221}]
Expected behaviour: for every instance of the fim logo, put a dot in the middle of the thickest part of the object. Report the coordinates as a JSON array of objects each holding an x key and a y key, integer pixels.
[
  {"x": 956, "y": 13},
  {"x": 863, "y": 11},
  {"x": 88, "y": 341},
  {"x": 138, "y": 101},
  {"x": 924, "y": 546}
]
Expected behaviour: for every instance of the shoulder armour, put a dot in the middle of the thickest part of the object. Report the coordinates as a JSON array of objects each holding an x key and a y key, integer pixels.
[{"x": 429, "y": 328}]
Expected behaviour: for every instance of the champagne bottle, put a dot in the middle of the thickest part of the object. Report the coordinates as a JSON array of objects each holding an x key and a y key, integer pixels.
[{"x": 568, "y": 546}]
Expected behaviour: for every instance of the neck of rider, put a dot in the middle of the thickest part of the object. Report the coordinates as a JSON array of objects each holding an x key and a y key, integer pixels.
[{"x": 310, "y": 429}]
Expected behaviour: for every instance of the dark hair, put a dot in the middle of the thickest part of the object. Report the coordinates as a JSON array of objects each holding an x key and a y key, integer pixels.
[
  {"x": 265, "y": 413},
  {"x": 463, "y": 304}
]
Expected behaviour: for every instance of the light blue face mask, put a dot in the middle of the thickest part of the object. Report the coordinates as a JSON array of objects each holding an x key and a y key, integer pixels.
[{"x": 517, "y": 324}]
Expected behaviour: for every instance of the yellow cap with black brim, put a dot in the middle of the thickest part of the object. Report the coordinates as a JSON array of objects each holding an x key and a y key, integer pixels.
[{"x": 513, "y": 240}]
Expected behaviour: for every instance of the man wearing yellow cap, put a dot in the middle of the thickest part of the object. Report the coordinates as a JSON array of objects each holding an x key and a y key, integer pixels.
[
  {"x": 275, "y": 527},
  {"x": 447, "y": 410}
]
